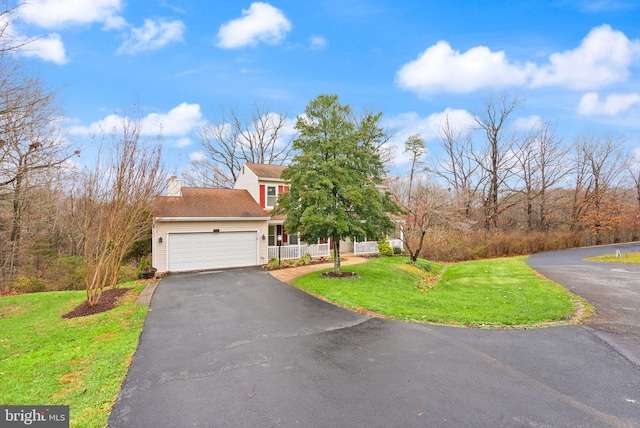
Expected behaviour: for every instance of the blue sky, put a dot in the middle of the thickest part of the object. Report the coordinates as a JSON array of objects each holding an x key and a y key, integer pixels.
[{"x": 576, "y": 63}]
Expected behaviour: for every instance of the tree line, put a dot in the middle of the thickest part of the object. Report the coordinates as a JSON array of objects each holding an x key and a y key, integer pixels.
[
  {"x": 62, "y": 225},
  {"x": 493, "y": 191}
]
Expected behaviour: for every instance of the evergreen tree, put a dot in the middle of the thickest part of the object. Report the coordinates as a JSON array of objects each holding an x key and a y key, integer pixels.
[{"x": 335, "y": 178}]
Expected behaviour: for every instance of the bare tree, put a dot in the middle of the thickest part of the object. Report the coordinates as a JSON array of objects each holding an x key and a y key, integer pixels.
[
  {"x": 459, "y": 168},
  {"x": 32, "y": 151},
  {"x": 541, "y": 164},
  {"x": 497, "y": 159},
  {"x": 598, "y": 163},
  {"x": 264, "y": 137},
  {"x": 118, "y": 199},
  {"x": 424, "y": 204},
  {"x": 633, "y": 170},
  {"x": 206, "y": 173}
]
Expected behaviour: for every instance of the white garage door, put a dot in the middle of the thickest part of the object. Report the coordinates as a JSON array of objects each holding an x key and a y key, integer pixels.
[{"x": 201, "y": 251}]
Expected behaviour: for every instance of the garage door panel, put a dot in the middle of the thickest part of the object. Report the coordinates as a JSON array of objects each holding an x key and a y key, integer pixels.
[{"x": 201, "y": 251}]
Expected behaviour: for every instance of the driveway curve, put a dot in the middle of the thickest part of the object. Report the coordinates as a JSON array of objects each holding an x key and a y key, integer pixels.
[
  {"x": 238, "y": 348},
  {"x": 612, "y": 288}
]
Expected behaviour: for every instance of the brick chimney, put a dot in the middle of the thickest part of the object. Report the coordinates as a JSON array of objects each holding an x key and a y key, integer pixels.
[{"x": 174, "y": 186}]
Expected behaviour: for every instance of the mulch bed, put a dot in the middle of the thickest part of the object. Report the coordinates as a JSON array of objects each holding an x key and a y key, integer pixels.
[
  {"x": 108, "y": 300},
  {"x": 339, "y": 275}
]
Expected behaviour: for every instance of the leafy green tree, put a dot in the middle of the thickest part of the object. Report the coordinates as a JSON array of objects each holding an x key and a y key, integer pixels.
[{"x": 336, "y": 177}]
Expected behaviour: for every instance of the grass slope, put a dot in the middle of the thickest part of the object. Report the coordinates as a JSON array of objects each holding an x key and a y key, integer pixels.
[
  {"x": 80, "y": 362},
  {"x": 495, "y": 292},
  {"x": 632, "y": 258}
]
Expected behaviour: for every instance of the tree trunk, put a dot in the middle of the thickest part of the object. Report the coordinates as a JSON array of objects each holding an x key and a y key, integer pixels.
[
  {"x": 414, "y": 256},
  {"x": 336, "y": 254}
]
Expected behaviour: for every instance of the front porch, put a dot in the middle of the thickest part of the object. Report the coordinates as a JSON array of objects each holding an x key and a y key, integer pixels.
[{"x": 296, "y": 251}]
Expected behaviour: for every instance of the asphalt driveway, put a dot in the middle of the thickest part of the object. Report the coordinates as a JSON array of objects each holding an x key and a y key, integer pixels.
[
  {"x": 614, "y": 290},
  {"x": 238, "y": 348}
]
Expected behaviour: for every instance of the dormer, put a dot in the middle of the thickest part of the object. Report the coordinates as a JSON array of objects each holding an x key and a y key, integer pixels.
[{"x": 263, "y": 182}]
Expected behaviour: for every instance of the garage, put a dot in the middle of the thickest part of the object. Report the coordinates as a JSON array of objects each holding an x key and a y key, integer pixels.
[{"x": 211, "y": 250}]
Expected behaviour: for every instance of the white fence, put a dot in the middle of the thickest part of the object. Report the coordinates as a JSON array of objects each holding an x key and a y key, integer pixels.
[
  {"x": 371, "y": 247},
  {"x": 286, "y": 252},
  {"x": 396, "y": 243}
]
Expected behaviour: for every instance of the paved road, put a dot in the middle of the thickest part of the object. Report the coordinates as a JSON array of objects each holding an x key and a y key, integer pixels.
[
  {"x": 238, "y": 348},
  {"x": 614, "y": 290}
]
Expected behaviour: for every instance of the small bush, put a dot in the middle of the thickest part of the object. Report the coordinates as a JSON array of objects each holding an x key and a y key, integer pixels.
[
  {"x": 144, "y": 262},
  {"x": 27, "y": 284},
  {"x": 385, "y": 249},
  {"x": 397, "y": 251},
  {"x": 305, "y": 260},
  {"x": 423, "y": 264},
  {"x": 272, "y": 263}
]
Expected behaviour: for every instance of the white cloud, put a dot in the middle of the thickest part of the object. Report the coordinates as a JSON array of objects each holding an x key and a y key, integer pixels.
[
  {"x": 318, "y": 43},
  {"x": 66, "y": 13},
  {"x": 599, "y": 6},
  {"x": 152, "y": 35},
  {"x": 612, "y": 105},
  {"x": 182, "y": 142},
  {"x": 49, "y": 48},
  {"x": 442, "y": 69},
  {"x": 407, "y": 124},
  {"x": 178, "y": 122},
  {"x": 197, "y": 156},
  {"x": 260, "y": 23},
  {"x": 528, "y": 123},
  {"x": 603, "y": 58}
]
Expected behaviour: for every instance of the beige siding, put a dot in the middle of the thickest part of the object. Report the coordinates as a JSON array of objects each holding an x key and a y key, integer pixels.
[
  {"x": 249, "y": 181},
  {"x": 162, "y": 229}
]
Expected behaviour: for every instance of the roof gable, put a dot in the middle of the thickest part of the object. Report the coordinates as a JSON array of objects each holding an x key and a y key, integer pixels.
[
  {"x": 208, "y": 203},
  {"x": 265, "y": 171}
]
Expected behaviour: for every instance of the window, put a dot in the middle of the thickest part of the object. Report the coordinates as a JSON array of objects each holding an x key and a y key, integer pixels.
[
  {"x": 272, "y": 196},
  {"x": 293, "y": 239},
  {"x": 272, "y": 236}
]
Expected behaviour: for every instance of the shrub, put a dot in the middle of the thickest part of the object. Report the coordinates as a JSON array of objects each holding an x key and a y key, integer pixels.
[
  {"x": 27, "y": 284},
  {"x": 144, "y": 262},
  {"x": 397, "y": 251},
  {"x": 305, "y": 260},
  {"x": 272, "y": 263},
  {"x": 384, "y": 249}
]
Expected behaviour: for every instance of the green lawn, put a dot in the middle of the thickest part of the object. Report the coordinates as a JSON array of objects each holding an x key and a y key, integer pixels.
[
  {"x": 80, "y": 362},
  {"x": 633, "y": 258},
  {"x": 495, "y": 292}
]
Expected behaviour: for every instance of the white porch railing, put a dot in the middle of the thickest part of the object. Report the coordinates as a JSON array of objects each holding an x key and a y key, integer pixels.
[
  {"x": 396, "y": 243},
  {"x": 371, "y": 247},
  {"x": 286, "y": 252}
]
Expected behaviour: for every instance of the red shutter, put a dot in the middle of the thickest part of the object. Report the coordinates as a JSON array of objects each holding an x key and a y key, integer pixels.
[
  {"x": 286, "y": 188},
  {"x": 280, "y": 189},
  {"x": 285, "y": 238},
  {"x": 262, "y": 196}
]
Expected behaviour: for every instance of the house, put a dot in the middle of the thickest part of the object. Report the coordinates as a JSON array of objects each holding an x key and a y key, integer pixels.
[{"x": 200, "y": 229}]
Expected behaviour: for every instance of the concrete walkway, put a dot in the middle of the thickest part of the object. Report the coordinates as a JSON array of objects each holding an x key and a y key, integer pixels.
[{"x": 289, "y": 274}]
